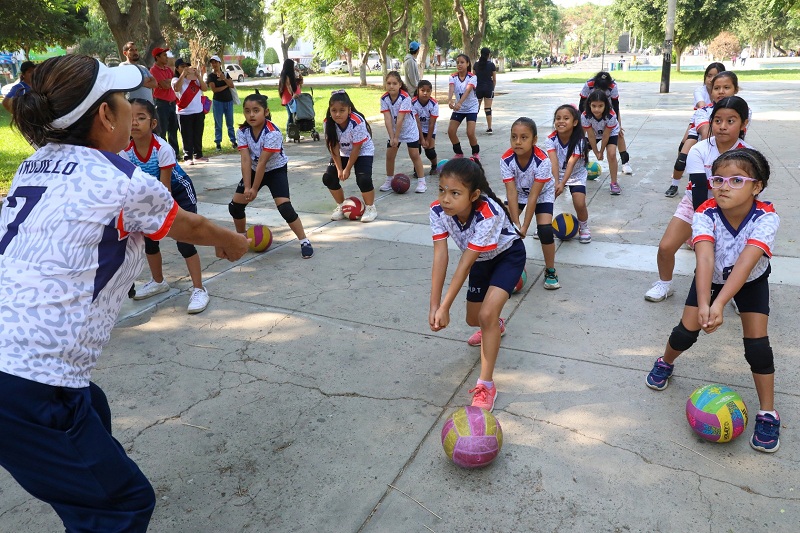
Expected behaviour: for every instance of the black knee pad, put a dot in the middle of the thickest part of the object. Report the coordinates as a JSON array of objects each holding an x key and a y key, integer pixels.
[
  {"x": 545, "y": 232},
  {"x": 476, "y": 149},
  {"x": 430, "y": 153},
  {"x": 488, "y": 111},
  {"x": 680, "y": 146},
  {"x": 236, "y": 210},
  {"x": 681, "y": 338},
  {"x": 624, "y": 157},
  {"x": 680, "y": 163},
  {"x": 331, "y": 180},
  {"x": 287, "y": 212},
  {"x": 186, "y": 250},
  {"x": 364, "y": 182},
  {"x": 151, "y": 247},
  {"x": 758, "y": 353}
]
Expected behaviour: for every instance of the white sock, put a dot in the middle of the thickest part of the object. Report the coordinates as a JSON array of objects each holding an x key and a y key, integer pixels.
[
  {"x": 667, "y": 283},
  {"x": 422, "y": 179},
  {"x": 389, "y": 178},
  {"x": 584, "y": 223},
  {"x": 305, "y": 241},
  {"x": 676, "y": 182},
  {"x": 487, "y": 384},
  {"x": 761, "y": 412}
]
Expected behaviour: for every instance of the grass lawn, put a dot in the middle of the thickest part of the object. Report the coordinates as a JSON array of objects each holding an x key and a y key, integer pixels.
[{"x": 655, "y": 76}]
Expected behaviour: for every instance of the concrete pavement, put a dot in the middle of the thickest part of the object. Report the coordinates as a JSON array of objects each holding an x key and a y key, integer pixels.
[{"x": 307, "y": 387}]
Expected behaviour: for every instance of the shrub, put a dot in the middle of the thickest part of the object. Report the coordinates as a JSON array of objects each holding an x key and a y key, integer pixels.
[{"x": 249, "y": 66}]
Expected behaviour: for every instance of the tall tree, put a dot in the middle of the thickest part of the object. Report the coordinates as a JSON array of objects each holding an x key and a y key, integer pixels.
[
  {"x": 473, "y": 25},
  {"x": 37, "y": 25},
  {"x": 508, "y": 26}
]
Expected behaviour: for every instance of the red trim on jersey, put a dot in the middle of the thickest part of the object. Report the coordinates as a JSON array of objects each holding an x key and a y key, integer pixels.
[
  {"x": 355, "y": 118},
  {"x": 539, "y": 153},
  {"x": 440, "y": 236},
  {"x": 271, "y": 150},
  {"x": 162, "y": 232},
  {"x": 242, "y": 147},
  {"x": 759, "y": 244},
  {"x": 121, "y": 227},
  {"x": 485, "y": 210},
  {"x": 767, "y": 207},
  {"x": 507, "y": 153},
  {"x": 709, "y": 238},
  {"x": 146, "y": 158},
  {"x": 482, "y": 249}
]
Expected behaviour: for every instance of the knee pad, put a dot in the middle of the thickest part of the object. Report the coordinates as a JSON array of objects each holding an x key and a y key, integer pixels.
[
  {"x": 236, "y": 210},
  {"x": 758, "y": 353},
  {"x": 364, "y": 182},
  {"x": 624, "y": 157},
  {"x": 545, "y": 232},
  {"x": 680, "y": 163},
  {"x": 680, "y": 146},
  {"x": 681, "y": 338},
  {"x": 430, "y": 153},
  {"x": 186, "y": 250},
  {"x": 488, "y": 111},
  {"x": 331, "y": 180},
  {"x": 287, "y": 212},
  {"x": 151, "y": 247}
]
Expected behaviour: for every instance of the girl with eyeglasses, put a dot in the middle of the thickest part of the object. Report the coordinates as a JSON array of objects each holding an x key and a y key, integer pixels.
[{"x": 733, "y": 235}]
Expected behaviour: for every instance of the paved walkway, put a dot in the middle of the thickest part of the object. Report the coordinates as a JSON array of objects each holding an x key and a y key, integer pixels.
[{"x": 307, "y": 387}]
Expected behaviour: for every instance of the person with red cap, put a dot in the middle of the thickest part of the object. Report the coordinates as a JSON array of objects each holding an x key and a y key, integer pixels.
[{"x": 164, "y": 98}]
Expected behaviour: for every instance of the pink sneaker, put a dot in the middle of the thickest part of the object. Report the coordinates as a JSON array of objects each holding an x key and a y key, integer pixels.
[
  {"x": 483, "y": 396},
  {"x": 475, "y": 339},
  {"x": 458, "y": 156}
]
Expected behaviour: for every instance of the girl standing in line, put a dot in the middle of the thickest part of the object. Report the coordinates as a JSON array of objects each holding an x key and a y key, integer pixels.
[
  {"x": 401, "y": 126},
  {"x": 567, "y": 149},
  {"x": 189, "y": 86},
  {"x": 527, "y": 173},
  {"x": 604, "y": 82},
  {"x": 493, "y": 256},
  {"x": 263, "y": 162},
  {"x": 462, "y": 100},
  {"x": 733, "y": 235},
  {"x": 349, "y": 140},
  {"x": 426, "y": 112}
]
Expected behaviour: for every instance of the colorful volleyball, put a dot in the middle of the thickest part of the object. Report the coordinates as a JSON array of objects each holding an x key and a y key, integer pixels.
[
  {"x": 472, "y": 437},
  {"x": 593, "y": 170},
  {"x": 565, "y": 226},
  {"x": 716, "y": 413},
  {"x": 260, "y": 238},
  {"x": 523, "y": 279}
]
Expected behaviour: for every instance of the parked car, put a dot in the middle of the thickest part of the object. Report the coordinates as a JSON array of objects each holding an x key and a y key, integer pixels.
[
  {"x": 235, "y": 72},
  {"x": 264, "y": 71},
  {"x": 450, "y": 63},
  {"x": 337, "y": 67}
]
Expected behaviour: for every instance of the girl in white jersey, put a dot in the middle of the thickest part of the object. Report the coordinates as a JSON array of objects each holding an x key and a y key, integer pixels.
[
  {"x": 603, "y": 81},
  {"x": 156, "y": 157},
  {"x": 723, "y": 85},
  {"x": 462, "y": 100},
  {"x": 426, "y": 112},
  {"x": 567, "y": 149},
  {"x": 733, "y": 235},
  {"x": 493, "y": 256},
  {"x": 263, "y": 163},
  {"x": 398, "y": 115},
  {"x": 527, "y": 174},
  {"x": 728, "y": 122},
  {"x": 71, "y": 243},
  {"x": 601, "y": 126},
  {"x": 349, "y": 140}
]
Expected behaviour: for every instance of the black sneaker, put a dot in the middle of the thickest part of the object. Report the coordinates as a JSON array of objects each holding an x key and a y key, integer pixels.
[
  {"x": 489, "y": 131},
  {"x": 672, "y": 192},
  {"x": 306, "y": 250},
  {"x": 219, "y": 147}
]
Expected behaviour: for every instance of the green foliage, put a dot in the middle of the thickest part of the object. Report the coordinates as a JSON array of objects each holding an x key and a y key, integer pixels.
[
  {"x": 508, "y": 25},
  {"x": 271, "y": 56},
  {"x": 249, "y": 66},
  {"x": 98, "y": 41},
  {"x": 214, "y": 24},
  {"x": 772, "y": 19},
  {"x": 35, "y": 25}
]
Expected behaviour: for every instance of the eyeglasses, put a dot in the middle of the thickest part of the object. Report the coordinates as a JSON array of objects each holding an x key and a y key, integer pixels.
[{"x": 734, "y": 182}]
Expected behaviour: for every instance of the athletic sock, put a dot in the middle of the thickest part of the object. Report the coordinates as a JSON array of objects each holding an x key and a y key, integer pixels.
[
  {"x": 676, "y": 183},
  {"x": 762, "y": 412},
  {"x": 476, "y": 149},
  {"x": 457, "y": 149},
  {"x": 487, "y": 384}
]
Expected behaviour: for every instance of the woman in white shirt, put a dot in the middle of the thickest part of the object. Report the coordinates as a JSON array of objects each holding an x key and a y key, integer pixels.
[{"x": 189, "y": 86}]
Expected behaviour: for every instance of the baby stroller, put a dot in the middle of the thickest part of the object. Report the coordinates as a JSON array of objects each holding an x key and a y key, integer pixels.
[{"x": 303, "y": 117}]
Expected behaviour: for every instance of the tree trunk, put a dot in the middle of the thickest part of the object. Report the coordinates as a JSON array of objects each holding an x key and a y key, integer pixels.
[
  {"x": 397, "y": 25},
  {"x": 471, "y": 37},
  {"x": 362, "y": 71},
  {"x": 153, "y": 31},
  {"x": 678, "y": 53},
  {"x": 121, "y": 24},
  {"x": 425, "y": 32}
]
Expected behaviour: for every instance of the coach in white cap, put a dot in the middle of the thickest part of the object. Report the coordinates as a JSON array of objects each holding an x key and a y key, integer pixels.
[{"x": 71, "y": 244}]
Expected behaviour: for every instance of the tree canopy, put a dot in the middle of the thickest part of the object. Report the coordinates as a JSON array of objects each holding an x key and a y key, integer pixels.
[{"x": 37, "y": 24}]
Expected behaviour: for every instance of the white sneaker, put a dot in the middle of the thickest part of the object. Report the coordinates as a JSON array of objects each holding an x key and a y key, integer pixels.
[
  {"x": 198, "y": 302},
  {"x": 660, "y": 291},
  {"x": 735, "y": 307},
  {"x": 387, "y": 185},
  {"x": 370, "y": 213},
  {"x": 151, "y": 288},
  {"x": 627, "y": 169},
  {"x": 584, "y": 235},
  {"x": 337, "y": 213},
  {"x": 421, "y": 186}
]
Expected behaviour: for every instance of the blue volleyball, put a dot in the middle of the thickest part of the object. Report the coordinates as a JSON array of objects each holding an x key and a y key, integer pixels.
[{"x": 565, "y": 226}]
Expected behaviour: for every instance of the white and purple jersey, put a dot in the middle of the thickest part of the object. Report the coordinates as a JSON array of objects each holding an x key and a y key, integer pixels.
[
  {"x": 579, "y": 174},
  {"x": 487, "y": 231},
  {"x": 757, "y": 229},
  {"x": 354, "y": 133},
  {"x": 160, "y": 155},
  {"x": 589, "y": 122},
  {"x": 269, "y": 140},
  {"x": 538, "y": 170},
  {"x": 401, "y": 106},
  {"x": 702, "y": 117},
  {"x": 426, "y": 112},
  {"x": 471, "y": 104},
  {"x": 701, "y": 95},
  {"x": 71, "y": 245},
  {"x": 612, "y": 92},
  {"x": 701, "y": 158}
]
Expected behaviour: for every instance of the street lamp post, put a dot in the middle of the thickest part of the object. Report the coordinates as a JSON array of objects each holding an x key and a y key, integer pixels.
[{"x": 603, "y": 55}]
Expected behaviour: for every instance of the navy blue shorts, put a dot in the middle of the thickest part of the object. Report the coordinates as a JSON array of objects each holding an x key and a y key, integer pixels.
[
  {"x": 412, "y": 144},
  {"x": 614, "y": 139},
  {"x": 503, "y": 271},
  {"x": 276, "y": 179},
  {"x": 459, "y": 117},
  {"x": 753, "y": 297},
  {"x": 577, "y": 188},
  {"x": 541, "y": 208}
]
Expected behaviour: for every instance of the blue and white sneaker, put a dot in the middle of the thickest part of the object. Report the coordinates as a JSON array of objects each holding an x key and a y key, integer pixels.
[
  {"x": 765, "y": 436},
  {"x": 658, "y": 378},
  {"x": 306, "y": 250}
]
